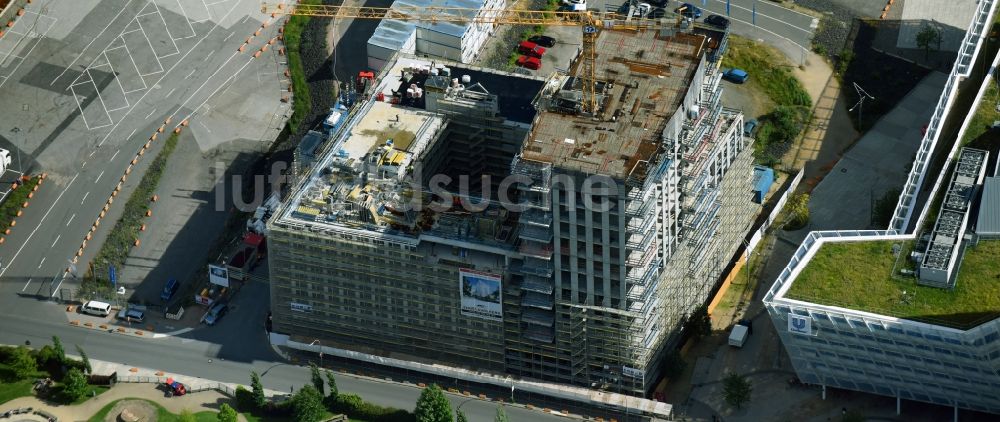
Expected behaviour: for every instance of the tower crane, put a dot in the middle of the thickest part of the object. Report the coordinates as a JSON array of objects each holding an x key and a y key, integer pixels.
[{"x": 591, "y": 24}]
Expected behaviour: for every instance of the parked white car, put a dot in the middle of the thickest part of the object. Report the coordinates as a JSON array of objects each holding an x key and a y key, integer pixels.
[
  {"x": 576, "y": 5},
  {"x": 4, "y": 160}
]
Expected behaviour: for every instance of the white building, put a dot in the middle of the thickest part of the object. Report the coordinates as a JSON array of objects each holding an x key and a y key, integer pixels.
[{"x": 452, "y": 41}]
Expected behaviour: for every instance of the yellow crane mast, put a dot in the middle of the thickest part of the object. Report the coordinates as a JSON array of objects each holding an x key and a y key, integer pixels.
[{"x": 591, "y": 23}]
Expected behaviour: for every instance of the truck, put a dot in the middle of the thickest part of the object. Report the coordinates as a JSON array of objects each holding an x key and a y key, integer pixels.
[{"x": 741, "y": 331}]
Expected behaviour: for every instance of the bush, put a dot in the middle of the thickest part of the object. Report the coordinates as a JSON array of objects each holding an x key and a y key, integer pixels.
[
  {"x": 798, "y": 212},
  {"x": 12, "y": 204},
  {"x": 778, "y": 131},
  {"x": 355, "y": 407},
  {"x": 300, "y": 86},
  {"x": 244, "y": 399},
  {"x": 844, "y": 61},
  {"x": 74, "y": 385}
]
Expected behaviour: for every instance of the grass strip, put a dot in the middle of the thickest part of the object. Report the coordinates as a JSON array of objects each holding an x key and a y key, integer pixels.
[
  {"x": 13, "y": 202},
  {"x": 122, "y": 237},
  {"x": 162, "y": 414},
  {"x": 302, "y": 102}
]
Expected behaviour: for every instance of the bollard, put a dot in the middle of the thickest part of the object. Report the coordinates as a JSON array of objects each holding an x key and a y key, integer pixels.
[
  {"x": 256, "y": 55},
  {"x": 149, "y": 213},
  {"x": 142, "y": 228},
  {"x": 31, "y": 194},
  {"x": 152, "y": 138},
  {"x": 1, "y": 240},
  {"x": 19, "y": 213},
  {"x": 24, "y": 205},
  {"x": 13, "y": 223},
  {"x": 35, "y": 189},
  {"x": 177, "y": 130},
  {"x": 271, "y": 41},
  {"x": 242, "y": 48},
  {"x": 160, "y": 130},
  {"x": 137, "y": 242},
  {"x": 256, "y": 33},
  {"x": 6, "y": 231},
  {"x": 20, "y": 12},
  {"x": 184, "y": 122},
  {"x": 155, "y": 197}
]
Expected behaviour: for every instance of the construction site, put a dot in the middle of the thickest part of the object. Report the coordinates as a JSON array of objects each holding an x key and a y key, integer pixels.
[{"x": 517, "y": 225}]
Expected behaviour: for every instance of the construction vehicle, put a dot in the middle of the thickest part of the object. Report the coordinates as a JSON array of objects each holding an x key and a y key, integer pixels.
[{"x": 591, "y": 24}]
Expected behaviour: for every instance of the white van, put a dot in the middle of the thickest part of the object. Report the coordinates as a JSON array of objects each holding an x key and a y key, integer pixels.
[
  {"x": 94, "y": 307},
  {"x": 4, "y": 160}
]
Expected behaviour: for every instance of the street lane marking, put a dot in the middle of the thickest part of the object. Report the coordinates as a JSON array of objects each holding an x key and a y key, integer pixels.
[
  {"x": 40, "y": 263},
  {"x": 230, "y": 35},
  {"x": 123, "y": 9},
  {"x": 760, "y": 15},
  {"x": 54, "y": 241},
  {"x": 189, "y": 74},
  {"x": 26, "y": 285},
  {"x": 151, "y": 113},
  {"x": 99, "y": 176},
  {"x": 84, "y": 198},
  {"x": 171, "y": 92},
  {"x": 167, "y": 72},
  {"x": 84, "y": 164},
  {"x": 74, "y": 215},
  {"x": 30, "y": 235},
  {"x": 133, "y": 132},
  {"x": 113, "y": 156}
]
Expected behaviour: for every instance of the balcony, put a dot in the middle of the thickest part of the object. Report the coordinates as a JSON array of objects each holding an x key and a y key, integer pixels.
[
  {"x": 640, "y": 224},
  {"x": 531, "y": 269},
  {"x": 538, "y": 317},
  {"x": 533, "y": 283},
  {"x": 642, "y": 275},
  {"x": 536, "y": 217},
  {"x": 536, "y": 300},
  {"x": 536, "y": 233},
  {"x": 640, "y": 258},
  {"x": 639, "y": 240},
  {"x": 536, "y": 250},
  {"x": 638, "y": 207}
]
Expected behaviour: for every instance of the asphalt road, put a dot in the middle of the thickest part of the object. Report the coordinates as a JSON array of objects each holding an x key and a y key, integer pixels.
[
  {"x": 85, "y": 84},
  {"x": 247, "y": 350},
  {"x": 795, "y": 26}
]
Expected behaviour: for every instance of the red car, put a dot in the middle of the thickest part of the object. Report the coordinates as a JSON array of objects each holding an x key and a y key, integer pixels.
[
  {"x": 529, "y": 62},
  {"x": 529, "y": 48}
]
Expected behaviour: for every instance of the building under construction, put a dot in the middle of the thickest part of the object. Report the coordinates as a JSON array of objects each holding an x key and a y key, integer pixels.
[{"x": 492, "y": 221}]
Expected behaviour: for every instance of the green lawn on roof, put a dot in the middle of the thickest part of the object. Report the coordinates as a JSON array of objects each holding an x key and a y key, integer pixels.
[{"x": 858, "y": 275}]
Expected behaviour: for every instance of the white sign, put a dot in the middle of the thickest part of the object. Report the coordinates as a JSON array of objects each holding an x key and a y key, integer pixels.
[
  {"x": 799, "y": 324},
  {"x": 633, "y": 373},
  {"x": 301, "y": 307},
  {"x": 218, "y": 275},
  {"x": 480, "y": 294}
]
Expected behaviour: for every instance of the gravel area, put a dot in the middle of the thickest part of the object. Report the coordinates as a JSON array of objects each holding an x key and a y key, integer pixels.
[{"x": 834, "y": 26}]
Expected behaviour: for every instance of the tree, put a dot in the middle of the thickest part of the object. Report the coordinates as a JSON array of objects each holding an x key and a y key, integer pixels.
[
  {"x": 926, "y": 37},
  {"x": 22, "y": 364},
  {"x": 74, "y": 384},
  {"x": 332, "y": 383},
  {"x": 501, "y": 416},
  {"x": 432, "y": 406},
  {"x": 460, "y": 416},
  {"x": 317, "y": 379},
  {"x": 83, "y": 358},
  {"x": 58, "y": 347},
  {"x": 227, "y": 414},
  {"x": 308, "y": 405},
  {"x": 259, "y": 399},
  {"x": 699, "y": 323},
  {"x": 673, "y": 364},
  {"x": 736, "y": 389}
]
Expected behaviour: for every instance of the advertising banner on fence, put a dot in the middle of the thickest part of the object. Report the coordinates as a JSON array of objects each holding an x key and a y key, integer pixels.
[
  {"x": 218, "y": 275},
  {"x": 480, "y": 293}
]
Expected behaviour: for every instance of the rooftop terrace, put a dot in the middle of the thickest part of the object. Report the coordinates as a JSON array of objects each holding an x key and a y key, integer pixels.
[
  {"x": 644, "y": 76},
  {"x": 865, "y": 276}
]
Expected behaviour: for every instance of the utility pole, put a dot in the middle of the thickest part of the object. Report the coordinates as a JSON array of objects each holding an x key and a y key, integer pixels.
[{"x": 862, "y": 95}]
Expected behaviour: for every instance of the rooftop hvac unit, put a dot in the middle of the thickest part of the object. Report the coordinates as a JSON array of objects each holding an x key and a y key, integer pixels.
[{"x": 466, "y": 79}]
